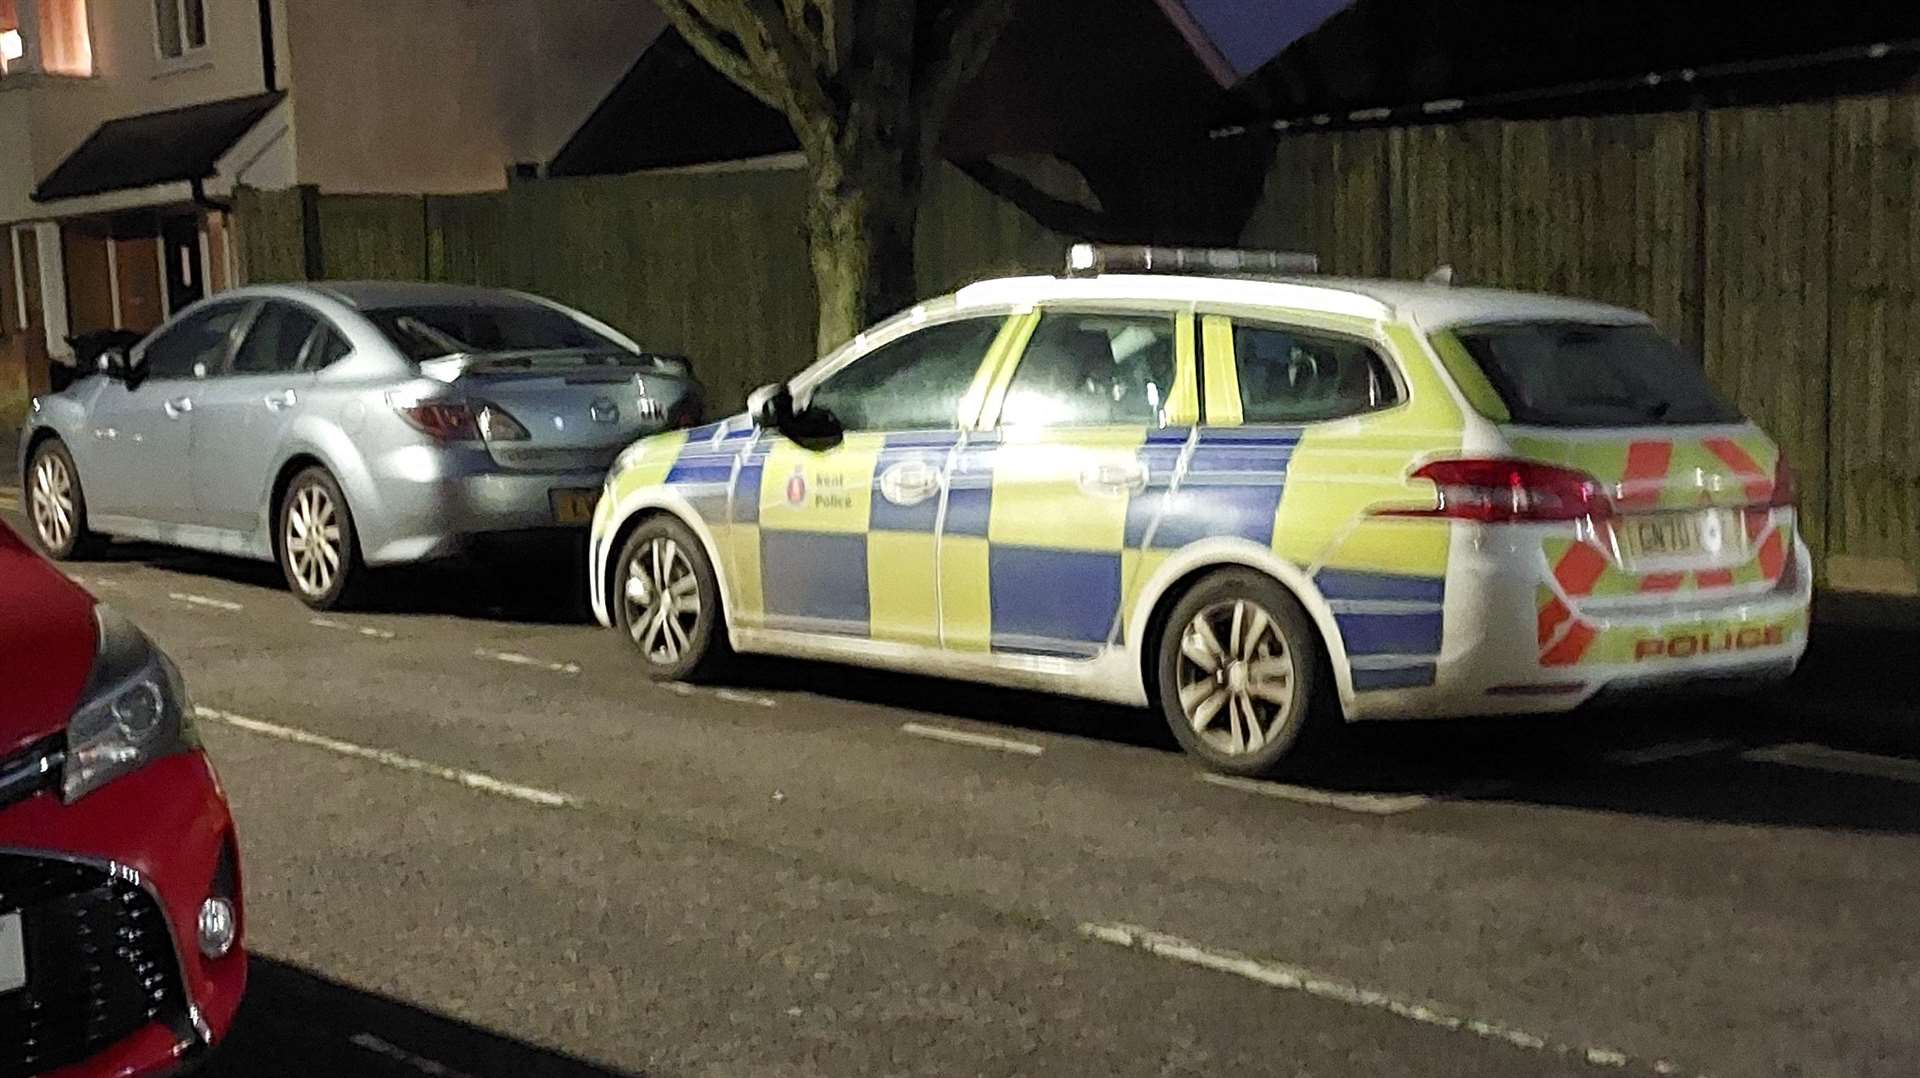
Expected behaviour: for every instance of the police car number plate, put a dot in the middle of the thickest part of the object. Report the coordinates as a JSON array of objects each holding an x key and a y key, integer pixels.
[
  {"x": 13, "y": 954},
  {"x": 1669, "y": 536},
  {"x": 574, "y": 506}
]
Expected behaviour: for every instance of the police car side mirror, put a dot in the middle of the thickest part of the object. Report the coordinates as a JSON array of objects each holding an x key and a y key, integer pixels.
[{"x": 771, "y": 406}]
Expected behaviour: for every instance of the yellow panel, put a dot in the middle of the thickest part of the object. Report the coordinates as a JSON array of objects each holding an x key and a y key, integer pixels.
[
  {"x": 649, "y": 467},
  {"x": 996, "y": 368},
  {"x": 1470, "y": 378},
  {"x": 903, "y": 601},
  {"x": 1009, "y": 348},
  {"x": 835, "y": 491},
  {"x": 749, "y": 604},
  {"x": 1137, "y": 567},
  {"x": 1183, "y": 400},
  {"x": 966, "y": 602},
  {"x": 1223, "y": 375},
  {"x": 1038, "y": 499}
]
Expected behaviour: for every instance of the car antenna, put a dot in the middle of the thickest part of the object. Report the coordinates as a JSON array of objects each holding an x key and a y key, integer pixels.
[{"x": 1442, "y": 276}]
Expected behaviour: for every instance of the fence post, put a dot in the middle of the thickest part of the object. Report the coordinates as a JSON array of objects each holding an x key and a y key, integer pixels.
[{"x": 313, "y": 262}]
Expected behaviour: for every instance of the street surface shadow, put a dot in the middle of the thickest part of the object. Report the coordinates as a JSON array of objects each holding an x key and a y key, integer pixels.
[
  {"x": 533, "y": 582},
  {"x": 296, "y": 1022}
]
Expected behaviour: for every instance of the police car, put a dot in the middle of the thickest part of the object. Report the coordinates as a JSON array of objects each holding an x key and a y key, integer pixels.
[{"x": 1256, "y": 499}]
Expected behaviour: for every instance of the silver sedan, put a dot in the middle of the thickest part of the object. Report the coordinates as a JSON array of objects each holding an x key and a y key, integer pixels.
[{"x": 333, "y": 427}]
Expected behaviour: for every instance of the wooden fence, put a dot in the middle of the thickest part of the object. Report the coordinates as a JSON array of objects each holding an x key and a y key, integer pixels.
[
  {"x": 1782, "y": 243},
  {"x": 713, "y": 265}
]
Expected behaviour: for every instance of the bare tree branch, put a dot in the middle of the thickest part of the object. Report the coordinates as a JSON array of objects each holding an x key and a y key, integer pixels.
[
  {"x": 960, "y": 39},
  {"x": 718, "y": 44},
  {"x": 1071, "y": 218}
]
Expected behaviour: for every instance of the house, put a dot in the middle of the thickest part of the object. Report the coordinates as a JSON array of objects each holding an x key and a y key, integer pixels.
[{"x": 125, "y": 126}]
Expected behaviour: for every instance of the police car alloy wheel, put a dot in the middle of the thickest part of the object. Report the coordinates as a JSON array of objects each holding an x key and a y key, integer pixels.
[
  {"x": 317, "y": 551},
  {"x": 55, "y": 503},
  {"x": 1238, "y": 668},
  {"x": 666, "y": 600}
]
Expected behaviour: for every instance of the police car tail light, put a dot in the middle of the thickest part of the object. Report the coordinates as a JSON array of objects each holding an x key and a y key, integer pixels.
[
  {"x": 1495, "y": 491},
  {"x": 1783, "y": 491}
]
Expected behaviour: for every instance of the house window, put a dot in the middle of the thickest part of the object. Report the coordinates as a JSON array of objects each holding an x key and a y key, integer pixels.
[
  {"x": 59, "y": 45},
  {"x": 180, "y": 26}
]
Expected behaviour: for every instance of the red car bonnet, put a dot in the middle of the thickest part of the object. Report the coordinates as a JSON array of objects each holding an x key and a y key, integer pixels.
[{"x": 47, "y": 643}]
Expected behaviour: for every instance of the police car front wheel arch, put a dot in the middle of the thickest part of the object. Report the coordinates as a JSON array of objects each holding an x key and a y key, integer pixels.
[
  {"x": 666, "y": 599},
  {"x": 1239, "y": 670}
]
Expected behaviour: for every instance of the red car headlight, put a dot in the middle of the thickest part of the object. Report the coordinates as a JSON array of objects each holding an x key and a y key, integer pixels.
[{"x": 134, "y": 710}]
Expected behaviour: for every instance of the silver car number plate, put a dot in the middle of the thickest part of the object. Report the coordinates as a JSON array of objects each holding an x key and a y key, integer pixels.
[{"x": 13, "y": 954}]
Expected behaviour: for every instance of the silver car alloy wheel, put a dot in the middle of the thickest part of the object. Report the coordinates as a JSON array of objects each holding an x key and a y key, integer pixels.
[
  {"x": 1236, "y": 677},
  {"x": 313, "y": 539},
  {"x": 52, "y": 501},
  {"x": 662, "y": 600}
]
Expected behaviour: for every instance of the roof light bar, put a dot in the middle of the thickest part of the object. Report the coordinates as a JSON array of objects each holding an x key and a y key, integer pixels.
[{"x": 1091, "y": 260}]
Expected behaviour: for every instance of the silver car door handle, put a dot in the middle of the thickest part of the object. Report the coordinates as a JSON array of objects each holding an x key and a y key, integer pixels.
[
  {"x": 283, "y": 400},
  {"x": 178, "y": 407},
  {"x": 1114, "y": 478}
]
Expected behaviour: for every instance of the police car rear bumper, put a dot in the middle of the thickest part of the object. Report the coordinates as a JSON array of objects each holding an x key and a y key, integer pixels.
[{"x": 1494, "y": 663}]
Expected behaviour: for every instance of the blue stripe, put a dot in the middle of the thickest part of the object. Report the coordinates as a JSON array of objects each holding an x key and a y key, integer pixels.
[
  {"x": 699, "y": 436},
  {"x": 746, "y": 492},
  {"x": 1347, "y": 584},
  {"x": 1218, "y": 461},
  {"x": 968, "y": 509},
  {"x": 921, "y": 439},
  {"x": 1060, "y": 596},
  {"x": 1251, "y": 436},
  {"x": 707, "y": 468},
  {"x": 1244, "y": 512},
  {"x": 1391, "y": 634},
  {"x": 1405, "y": 677},
  {"x": 815, "y": 575},
  {"x": 735, "y": 434},
  {"x": 1175, "y": 436},
  {"x": 886, "y": 516}
]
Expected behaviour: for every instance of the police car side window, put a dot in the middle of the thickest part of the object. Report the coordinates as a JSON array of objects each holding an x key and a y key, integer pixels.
[
  {"x": 1083, "y": 370},
  {"x": 1295, "y": 376},
  {"x": 914, "y": 383}
]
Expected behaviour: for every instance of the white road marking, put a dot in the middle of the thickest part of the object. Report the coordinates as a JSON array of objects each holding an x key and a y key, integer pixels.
[
  {"x": 516, "y": 659},
  {"x": 472, "y": 779},
  {"x": 1839, "y": 761},
  {"x": 1300, "y": 979},
  {"x": 400, "y": 1055},
  {"x": 1368, "y": 804},
  {"x": 203, "y": 601},
  {"x": 1656, "y": 754},
  {"x": 746, "y": 698},
  {"x": 978, "y": 741},
  {"x": 329, "y": 623}
]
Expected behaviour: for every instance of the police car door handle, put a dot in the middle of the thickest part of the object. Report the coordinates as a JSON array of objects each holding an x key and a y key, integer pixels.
[{"x": 1114, "y": 478}]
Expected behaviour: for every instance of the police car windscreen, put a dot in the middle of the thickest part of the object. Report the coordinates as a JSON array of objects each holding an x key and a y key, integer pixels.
[
  {"x": 425, "y": 333},
  {"x": 1558, "y": 374}
]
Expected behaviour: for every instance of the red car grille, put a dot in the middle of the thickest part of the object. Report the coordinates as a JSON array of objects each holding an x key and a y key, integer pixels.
[{"x": 100, "y": 963}]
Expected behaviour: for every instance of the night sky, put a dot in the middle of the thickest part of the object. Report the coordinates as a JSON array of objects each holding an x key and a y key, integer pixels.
[{"x": 1251, "y": 32}]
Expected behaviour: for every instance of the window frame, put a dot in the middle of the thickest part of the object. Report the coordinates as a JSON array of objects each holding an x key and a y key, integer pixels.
[
  {"x": 1186, "y": 349},
  {"x": 1381, "y": 348},
  {"x": 189, "y": 54},
  {"x": 249, "y": 310},
  {"x": 989, "y": 360},
  {"x": 261, "y": 307}
]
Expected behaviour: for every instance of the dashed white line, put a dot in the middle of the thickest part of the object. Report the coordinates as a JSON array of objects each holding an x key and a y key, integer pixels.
[
  {"x": 1838, "y": 761},
  {"x": 204, "y": 602},
  {"x": 978, "y": 741},
  {"x": 471, "y": 779},
  {"x": 400, "y": 1055},
  {"x": 1294, "y": 978},
  {"x": 363, "y": 630},
  {"x": 1366, "y": 804},
  {"x": 733, "y": 696},
  {"x": 514, "y": 658},
  {"x": 1657, "y": 754}
]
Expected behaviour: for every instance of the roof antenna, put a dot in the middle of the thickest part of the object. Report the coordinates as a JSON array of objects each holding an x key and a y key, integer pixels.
[{"x": 1442, "y": 276}]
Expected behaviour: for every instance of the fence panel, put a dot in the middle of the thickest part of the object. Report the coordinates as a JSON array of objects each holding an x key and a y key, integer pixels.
[
  {"x": 1447, "y": 180},
  {"x": 1873, "y": 532},
  {"x": 467, "y": 238},
  {"x": 1768, "y": 226},
  {"x": 1328, "y": 195},
  {"x": 382, "y": 237},
  {"x": 270, "y": 235}
]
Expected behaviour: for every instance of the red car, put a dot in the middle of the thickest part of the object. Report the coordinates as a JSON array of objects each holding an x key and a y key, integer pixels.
[{"x": 120, "y": 913}]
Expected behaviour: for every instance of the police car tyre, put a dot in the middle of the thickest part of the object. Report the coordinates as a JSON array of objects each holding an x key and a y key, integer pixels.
[
  {"x": 666, "y": 600},
  {"x": 1239, "y": 671},
  {"x": 318, "y": 549},
  {"x": 56, "y": 505}
]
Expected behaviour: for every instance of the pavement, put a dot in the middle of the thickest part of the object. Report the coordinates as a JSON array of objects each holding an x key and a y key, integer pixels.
[{"x": 477, "y": 842}]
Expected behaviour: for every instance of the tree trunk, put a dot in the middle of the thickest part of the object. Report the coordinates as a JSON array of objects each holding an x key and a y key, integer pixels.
[{"x": 860, "y": 227}]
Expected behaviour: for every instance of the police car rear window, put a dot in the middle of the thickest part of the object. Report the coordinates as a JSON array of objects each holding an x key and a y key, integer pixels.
[{"x": 1561, "y": 374}]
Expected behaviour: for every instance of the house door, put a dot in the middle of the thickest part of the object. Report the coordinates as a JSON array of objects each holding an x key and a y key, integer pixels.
[{"x": 186, "y": 269}]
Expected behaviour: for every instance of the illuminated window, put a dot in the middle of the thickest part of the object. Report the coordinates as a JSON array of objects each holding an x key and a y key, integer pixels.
[
  {"x": 180, "y": 26},
  {"x": 59, "y": 45},
  {"x": 12, "y": 46}
]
